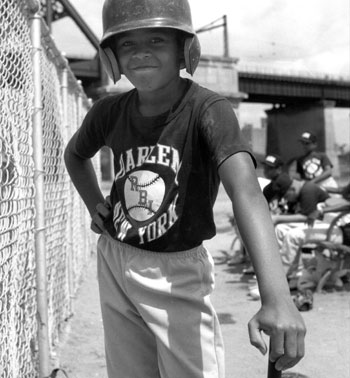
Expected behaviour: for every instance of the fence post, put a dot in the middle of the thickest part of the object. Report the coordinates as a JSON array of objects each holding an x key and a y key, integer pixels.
[
  {"x": 64, "y": 94},
  {"x": 40, "y": 245}
]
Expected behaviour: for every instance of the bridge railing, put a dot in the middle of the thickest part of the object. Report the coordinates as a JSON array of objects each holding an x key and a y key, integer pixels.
[
  {"x": 291, "y": 73},
  {"x": 36, "y": 119}
]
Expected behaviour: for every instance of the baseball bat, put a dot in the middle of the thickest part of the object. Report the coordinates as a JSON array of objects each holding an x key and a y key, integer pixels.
[{"x": 271, "y": 370}]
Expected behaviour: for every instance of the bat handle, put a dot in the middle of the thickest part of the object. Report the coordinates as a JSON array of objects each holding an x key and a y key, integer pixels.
[{"x": 271, "y": 370}]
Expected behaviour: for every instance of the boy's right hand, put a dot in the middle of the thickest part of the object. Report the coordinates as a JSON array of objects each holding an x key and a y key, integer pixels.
[
  {"x": 103, "y": 212},
  {"x": 286, "y": 328}
]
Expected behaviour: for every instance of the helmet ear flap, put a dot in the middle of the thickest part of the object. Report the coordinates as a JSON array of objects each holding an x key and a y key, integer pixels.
[
  {"x": 110, "y": 63},
  {"x": 192, "y": 49}
]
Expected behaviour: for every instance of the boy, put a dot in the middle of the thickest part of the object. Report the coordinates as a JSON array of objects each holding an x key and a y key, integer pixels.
[
  {"x": 314, "y": 166},
  {"x": 301, "y": 223},
  {"x": 172, "y": 142},
  {"x": 273, "y": 171}
]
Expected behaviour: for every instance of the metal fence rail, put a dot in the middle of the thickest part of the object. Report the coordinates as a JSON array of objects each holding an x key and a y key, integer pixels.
[{"x": 48, "y": 111}]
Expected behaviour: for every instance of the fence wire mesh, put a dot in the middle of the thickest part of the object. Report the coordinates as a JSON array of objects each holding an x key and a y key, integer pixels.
[{"x": 65, "y": 215}]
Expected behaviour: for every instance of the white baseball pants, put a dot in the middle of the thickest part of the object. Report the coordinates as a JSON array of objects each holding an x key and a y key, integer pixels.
[{"x": 157, "y": 316}]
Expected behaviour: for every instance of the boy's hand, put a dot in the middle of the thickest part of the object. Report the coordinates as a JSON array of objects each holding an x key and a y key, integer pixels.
[
  {"x": 286, "y": 329},
  {"x": 103, "y": 211}
]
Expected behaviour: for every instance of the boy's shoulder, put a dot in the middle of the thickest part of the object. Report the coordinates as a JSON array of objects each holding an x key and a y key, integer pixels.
[
  {"x": 204, "y": 97},
  {"x": 206, "y": 93},
  {"x": 312, "y": 189}
]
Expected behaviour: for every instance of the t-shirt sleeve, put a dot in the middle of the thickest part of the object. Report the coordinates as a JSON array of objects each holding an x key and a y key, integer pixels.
[
  {"x": 325, "y": 160},
  {"x": 90, "y": 137},
  {"x": 221, "y": 132}
]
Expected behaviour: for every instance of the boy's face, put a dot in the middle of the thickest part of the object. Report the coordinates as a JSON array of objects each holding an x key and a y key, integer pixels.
[
  {"x": 308, "y": 146},
  {"x": 149, "y": 58}
]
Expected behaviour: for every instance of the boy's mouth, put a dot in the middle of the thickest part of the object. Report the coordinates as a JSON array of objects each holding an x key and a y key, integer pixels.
[{"x": 143, "y": 67}]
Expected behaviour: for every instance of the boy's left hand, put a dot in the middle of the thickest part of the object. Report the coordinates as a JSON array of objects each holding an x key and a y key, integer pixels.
[{"x": 286, "y": 329}]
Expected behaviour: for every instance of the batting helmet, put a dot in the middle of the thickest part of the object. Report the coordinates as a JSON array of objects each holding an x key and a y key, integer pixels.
[{"x": 119, "y": 16}]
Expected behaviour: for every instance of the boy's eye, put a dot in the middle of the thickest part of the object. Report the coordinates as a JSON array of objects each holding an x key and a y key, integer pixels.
[
  {"x": 125, "y": 43},
  {"x": 157, "y": 40}
]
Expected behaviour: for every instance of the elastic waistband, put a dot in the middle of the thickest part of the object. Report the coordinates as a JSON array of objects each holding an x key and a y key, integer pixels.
[{"x": 199, "y": 251}]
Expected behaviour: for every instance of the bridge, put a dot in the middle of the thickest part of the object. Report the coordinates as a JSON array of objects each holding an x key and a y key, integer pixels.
[{"x": 291, "y": 88}]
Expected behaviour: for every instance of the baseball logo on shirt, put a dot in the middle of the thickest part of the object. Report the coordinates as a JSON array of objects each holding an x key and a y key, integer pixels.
[
  {"x": 144, "y": 193},
  {"x": 312, "y": 168}
]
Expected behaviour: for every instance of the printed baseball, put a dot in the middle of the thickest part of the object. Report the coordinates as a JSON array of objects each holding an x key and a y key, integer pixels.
[{"x": 144, "y": 193}]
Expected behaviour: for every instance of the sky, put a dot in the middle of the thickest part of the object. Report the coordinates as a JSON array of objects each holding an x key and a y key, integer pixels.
[{"x": 307, "y": 36}]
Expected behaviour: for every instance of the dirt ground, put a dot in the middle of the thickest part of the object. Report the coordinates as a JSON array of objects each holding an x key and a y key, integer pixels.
[{"x": 81, "y": 352}]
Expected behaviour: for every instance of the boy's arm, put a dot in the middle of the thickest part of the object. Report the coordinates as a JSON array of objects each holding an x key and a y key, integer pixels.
[
  {"x": 327, "y": 169},
  {"x": 327, "y": 172},
  {"x": 288, "y": 218},
  {"x": 83, "y": 176},
  {"x": 278, "y": 316}
]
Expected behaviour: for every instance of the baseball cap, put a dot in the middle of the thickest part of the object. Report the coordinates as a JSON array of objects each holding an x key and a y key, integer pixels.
[
  {"x": 273, "y": 161},
  {"x": 308, "y": 137}
]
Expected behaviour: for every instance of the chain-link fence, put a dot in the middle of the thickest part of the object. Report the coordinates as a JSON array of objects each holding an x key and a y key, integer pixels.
[{"x": 67, "y": 239}]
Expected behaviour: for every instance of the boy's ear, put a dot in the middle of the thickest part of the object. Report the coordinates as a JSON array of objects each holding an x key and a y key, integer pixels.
[{"x": 110, "y": 63}]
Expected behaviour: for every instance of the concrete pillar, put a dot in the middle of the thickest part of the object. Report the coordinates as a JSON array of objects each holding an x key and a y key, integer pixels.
[
  {"x": 285, "y": 124},
  {"x": 330, "y": 145}
]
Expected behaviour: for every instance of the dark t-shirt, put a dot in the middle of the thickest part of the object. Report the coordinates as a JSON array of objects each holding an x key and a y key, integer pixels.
[
  {"x": 310, "y": 195},
  {"x": 166, "y": 179},
  {"x": 312, "y": 165}
]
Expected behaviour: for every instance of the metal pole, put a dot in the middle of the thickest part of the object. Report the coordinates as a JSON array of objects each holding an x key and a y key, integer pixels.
[
  {"x": 64, "y": 94},
  {"x": 40, "y": 245},
  {"x": 49, "y": 14},
  {"x": 226, "y": 52},
  {"x": 213, "y": 26}
]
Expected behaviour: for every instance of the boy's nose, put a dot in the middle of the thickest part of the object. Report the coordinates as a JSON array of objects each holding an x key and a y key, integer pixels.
[
  {"x": 142, "y": 52},
  {"x": 141, "y": 58},
  {"x": 142, "y": 55}
]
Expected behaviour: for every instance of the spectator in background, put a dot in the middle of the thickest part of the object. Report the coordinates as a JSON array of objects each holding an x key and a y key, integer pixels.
[
  {"x": 301, "y": 222},
  {"x": 305, "y": 202},
  {"x": 314, "y": 166},
  {"x": 273, "y": 171}
]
